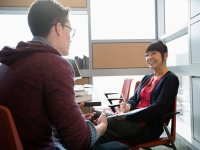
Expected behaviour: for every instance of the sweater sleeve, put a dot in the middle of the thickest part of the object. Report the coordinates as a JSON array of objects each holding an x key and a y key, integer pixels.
[
  {"x": 133, "y": 101},
  {"x": 62, "y": 110}
]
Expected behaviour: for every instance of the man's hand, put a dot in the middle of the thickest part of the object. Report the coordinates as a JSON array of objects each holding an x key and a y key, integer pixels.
[
  {"x": 101, "y": 124},
  {"x": 89, "y": 116}
]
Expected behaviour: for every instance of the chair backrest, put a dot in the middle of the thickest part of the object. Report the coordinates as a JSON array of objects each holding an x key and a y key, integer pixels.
[
  {"x": 9, "y": 138},
  {"x": 124, "y": 95},
  {"x": 126, "y": 88},
  {"x": 136, "y": 85}
]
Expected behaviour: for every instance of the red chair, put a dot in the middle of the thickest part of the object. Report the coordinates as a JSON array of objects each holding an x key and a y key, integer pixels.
[
  {"x": 124, "y": 95},
  {"x": 136, "y": 85},
  {"x": 113, "y": 106},
  {"x": 9, "y": 138},
  {"x": 167, "y": 140}
]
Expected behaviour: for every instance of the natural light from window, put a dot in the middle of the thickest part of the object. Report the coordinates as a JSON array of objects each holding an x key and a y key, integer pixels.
[
  {"x": 80, "y": 42},
  {"x": 176, "y": 15},
  {"x": 178, "y": 51},
  {"x": 107, "y": 84},
  {"x": 14, "y": 28},
  {"x": 122, "y": 19}
]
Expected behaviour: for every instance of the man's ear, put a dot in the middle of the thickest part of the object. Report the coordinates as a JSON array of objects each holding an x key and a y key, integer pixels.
[{"x": 58, "y": 28}]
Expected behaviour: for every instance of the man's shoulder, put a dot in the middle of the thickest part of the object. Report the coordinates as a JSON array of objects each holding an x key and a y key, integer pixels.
[
  {"x": 48, "y": 63},
  {"x": 50, "y": 58}
]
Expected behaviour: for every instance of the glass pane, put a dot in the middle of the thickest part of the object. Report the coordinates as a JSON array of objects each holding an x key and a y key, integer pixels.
[
  {"x": 178, "y": 51},
  {"x": 14, "y": 28},
  {"x": 176, "y": 14},
  {"x": 80, "y": 42},
  {"x": 107, "y": 84},
  {"x": 183, "y": 106},
  {"x": 122, "y": 19}
]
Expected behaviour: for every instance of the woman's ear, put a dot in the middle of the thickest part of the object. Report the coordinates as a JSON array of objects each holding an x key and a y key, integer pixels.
[{"x": 166, "y": 56}]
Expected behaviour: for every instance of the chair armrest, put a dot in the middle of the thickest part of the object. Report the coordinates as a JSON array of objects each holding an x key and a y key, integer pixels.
[
  {"x": 170, "y": 115},
  {"x": 106, "y": 94},
  {"x": 113, "y": 99},
  {"x": 113, "y": 107},
  {"x": 166, "y": 117}
]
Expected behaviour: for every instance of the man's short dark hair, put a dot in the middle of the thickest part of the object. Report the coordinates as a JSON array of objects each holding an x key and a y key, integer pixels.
[{"x": 43, "y": 14}]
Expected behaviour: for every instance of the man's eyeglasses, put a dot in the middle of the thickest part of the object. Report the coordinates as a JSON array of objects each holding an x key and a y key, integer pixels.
[{"x": 72, "y": 31}]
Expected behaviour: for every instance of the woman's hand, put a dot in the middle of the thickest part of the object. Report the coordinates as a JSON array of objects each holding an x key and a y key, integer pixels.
[{"x": 124, "y": 107}]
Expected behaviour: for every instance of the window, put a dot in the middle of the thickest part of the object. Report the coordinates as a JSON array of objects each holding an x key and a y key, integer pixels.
[
  {"x": 176, "y": 14},
  {"x": 178, "y": 51},
  {"x": 183, "y": 106},
  {"x": 113, "y": 84},
  {"x": 122, "y": 19},
  {"x": 80, "y": 42},
  {"x": 14, "y": 28}
]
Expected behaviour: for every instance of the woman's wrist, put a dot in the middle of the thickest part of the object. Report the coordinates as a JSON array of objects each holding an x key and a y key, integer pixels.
[{"x": 128, "y": 106}]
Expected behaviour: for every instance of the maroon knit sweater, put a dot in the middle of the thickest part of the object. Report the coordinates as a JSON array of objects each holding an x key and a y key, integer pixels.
[{"x": 37, "y": 84}]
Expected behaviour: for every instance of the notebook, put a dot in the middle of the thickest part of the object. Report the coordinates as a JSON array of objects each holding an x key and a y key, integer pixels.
[{"x": 125, "y": 114}]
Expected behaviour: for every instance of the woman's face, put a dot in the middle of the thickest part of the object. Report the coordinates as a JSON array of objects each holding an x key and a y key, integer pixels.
[{"x": 154, "y": 59}]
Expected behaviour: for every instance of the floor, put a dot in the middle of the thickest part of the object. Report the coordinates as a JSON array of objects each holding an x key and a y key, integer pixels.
[{"x": 179, "y": 145}]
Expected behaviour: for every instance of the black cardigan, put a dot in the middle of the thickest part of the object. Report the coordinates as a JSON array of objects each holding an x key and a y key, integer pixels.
[{"x": 161, "y": 102}]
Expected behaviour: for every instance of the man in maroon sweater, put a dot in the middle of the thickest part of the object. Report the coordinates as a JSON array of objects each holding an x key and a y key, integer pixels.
[{"x": 37, "y": 85}]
